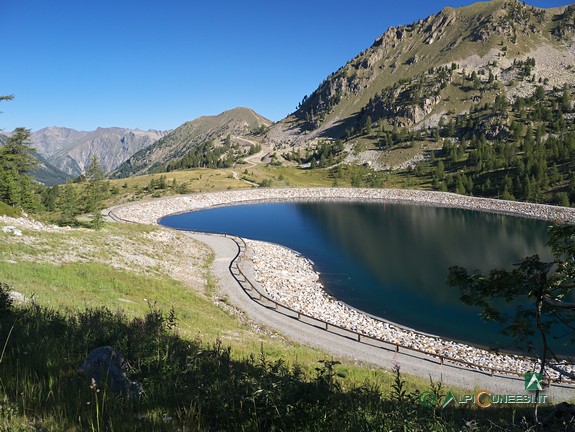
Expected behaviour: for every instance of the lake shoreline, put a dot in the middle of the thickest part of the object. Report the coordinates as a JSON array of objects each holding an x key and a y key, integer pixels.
[
  {"x": 289, "y": 279},
  {"x": 152, "y": 211},
  {"x": 322, "y": 305}
]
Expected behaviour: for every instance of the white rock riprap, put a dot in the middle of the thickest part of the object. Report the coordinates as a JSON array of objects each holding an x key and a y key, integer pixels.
[
  {"x": 289, "y": 279},
  {"x": 151, "y": 211}
]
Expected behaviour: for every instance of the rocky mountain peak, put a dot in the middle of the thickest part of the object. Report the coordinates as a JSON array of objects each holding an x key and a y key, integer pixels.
[
  {"x": 484, "y": 38},
  {"x": 71, "y": 151}
]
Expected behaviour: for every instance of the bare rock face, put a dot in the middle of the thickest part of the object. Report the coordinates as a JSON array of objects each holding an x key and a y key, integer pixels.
[
  {"x": 437, "y": 27},
  {"x": 417, "y": 113},
  {"x": 399, "y": 108},
  {"x": 71, "y": 151}
]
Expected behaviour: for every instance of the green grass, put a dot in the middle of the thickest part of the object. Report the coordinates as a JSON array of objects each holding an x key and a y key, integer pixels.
[
  {"x": 8, "y": 210},
  {"x": 73, "y": 286},
  {"x": 192, "y": 384},
  {"x": 76, "y": 286}
]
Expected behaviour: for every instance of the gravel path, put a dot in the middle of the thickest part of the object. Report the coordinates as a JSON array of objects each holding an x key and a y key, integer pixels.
[
  {"x": 225, "y": 249},
  {"x": 289, "y": 279}
]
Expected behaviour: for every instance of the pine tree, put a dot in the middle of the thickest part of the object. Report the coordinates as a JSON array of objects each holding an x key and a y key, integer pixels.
[
  {"x": 97, "y": 220},
  {"x": 565, "y": 99},
  {"x": 17, "y": 153},
  {"x": 368, "y": 125},
  {"x": 16, "y": 161},
  {"x": 440, "y": 170},
  {"x": 94, "y": 171},
  {"x": 95, "y": 192},
  {"x": 67, "y": 203},
  {"x": 50, "y": 197}
]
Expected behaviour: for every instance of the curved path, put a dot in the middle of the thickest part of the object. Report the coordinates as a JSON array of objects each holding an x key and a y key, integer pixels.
[{"x": 226, "y": 249}]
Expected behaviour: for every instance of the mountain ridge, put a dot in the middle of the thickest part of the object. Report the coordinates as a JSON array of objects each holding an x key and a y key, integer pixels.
[
  {"x": 71, "y": 150},
  {"x": 467, "y": 35},
  {"x": 236, "y": 123},
  {"x": 476, "y": 100}
]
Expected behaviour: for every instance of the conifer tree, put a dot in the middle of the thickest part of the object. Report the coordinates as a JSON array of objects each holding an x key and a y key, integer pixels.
[
  {"x": 16, "y": 161},
  {"x": 95, "y": 192},
  {"x": 68, "y": 204},
  {"x": 368, "y": 125}
]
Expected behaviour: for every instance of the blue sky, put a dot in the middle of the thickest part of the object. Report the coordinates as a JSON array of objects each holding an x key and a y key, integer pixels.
[{"x": 154, "y": 64}]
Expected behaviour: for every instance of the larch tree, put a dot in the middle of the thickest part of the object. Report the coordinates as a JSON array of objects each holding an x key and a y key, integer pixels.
[
  {"x": 16, "y": 161},
  {"x": 546, "y": 290},
  {"x": 95, "y": 192}
]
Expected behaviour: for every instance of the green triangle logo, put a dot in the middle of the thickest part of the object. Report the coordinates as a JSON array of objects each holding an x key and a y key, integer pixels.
[
  {"x": 533, "y": 381},
  {"x": 448, "y": 398}
]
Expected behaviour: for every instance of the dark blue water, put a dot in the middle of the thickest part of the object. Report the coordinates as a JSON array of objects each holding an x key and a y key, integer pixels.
[{"x": 390, "y": 260}]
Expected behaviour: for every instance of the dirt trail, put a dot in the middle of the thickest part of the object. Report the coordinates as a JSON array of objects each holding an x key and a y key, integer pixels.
[
  {"x": 225, "y": 250},
  {"x": 251, "y": 160}
]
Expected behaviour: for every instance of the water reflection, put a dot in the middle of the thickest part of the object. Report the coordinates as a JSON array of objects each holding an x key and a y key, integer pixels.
[
  {"x": 390, "y": 260},
  {"x": 411, "y": 247}
]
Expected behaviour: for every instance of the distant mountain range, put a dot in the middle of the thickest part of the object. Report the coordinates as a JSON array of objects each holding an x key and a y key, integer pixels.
[
  {"x": 66, "y": 153},
  {"x": 71, "y": 151}
]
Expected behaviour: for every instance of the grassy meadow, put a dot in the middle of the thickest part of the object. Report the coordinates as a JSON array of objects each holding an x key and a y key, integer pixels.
[
  {"x": 119, "y": 276},
  {"x": 245, "y": 176}
]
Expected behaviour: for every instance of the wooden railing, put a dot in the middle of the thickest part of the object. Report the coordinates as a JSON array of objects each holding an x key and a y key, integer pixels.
[{"x": 256, "y": 295}]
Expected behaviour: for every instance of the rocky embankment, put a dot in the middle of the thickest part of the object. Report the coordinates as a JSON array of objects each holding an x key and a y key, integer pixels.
[
  {"x": 291, "y": 280},
  {"x": 151, "y": 211}
]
